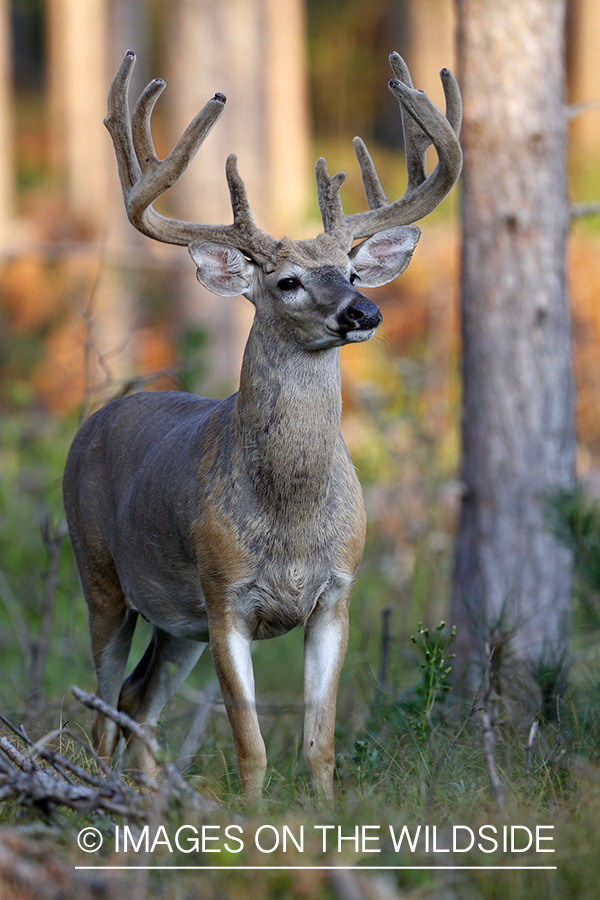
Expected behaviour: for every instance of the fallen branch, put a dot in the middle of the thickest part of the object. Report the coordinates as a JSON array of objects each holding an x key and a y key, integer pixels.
[
  {"x": 35, "y": 775},
  {"x": 176, "y": 783},
  {"x": 24, "y": 780}
]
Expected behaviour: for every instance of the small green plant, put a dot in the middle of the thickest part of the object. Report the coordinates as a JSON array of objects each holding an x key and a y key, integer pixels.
[
  {"x": 436, "y": 671},
  {"x": 411, "y": 709}
]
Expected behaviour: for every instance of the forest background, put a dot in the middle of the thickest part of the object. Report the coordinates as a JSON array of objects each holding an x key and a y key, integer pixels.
[{"x": 89, "y": 310}]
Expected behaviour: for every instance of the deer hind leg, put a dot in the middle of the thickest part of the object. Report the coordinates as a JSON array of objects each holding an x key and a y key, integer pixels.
[
  {"x": 112, "y": 625},
  {"x": 162, "y": 669}
]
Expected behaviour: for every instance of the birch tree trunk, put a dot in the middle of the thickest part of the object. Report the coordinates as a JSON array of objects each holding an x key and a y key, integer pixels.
[{"x": 512, "y": 579}]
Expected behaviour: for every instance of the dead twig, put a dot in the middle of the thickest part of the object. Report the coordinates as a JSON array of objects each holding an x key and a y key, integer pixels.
[
  {"x": 488, "y": 719},
  {"x": 121, "y": 719},
  {"x": 13, "y": 608},
  {"x": 176, "y": 784},
  {"x": 63, "y": 764},
  {"x": 22, "y": 779},
  {"x": 557, "y": 740},
  {"x": 581, "y": 210},
  {"x": 475, "y": 708},
  {"x": 386, "y": 640},
  {"x": 488, "y": 742},
  {"x": 203, "y": 711},
  {"x": 529, "y": 750},
  {"x": 20, "y": 732}
]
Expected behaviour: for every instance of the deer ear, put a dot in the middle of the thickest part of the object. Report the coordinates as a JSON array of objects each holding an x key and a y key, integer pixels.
[
  {"x": 382, "y": 257},
  {"x": 222, "y": 269}
]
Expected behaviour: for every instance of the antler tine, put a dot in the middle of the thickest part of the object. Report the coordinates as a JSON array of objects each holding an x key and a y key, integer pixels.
[
  {"x": 159, "y": 175},
  {"x": 330, "y": 204},
  {"x": 144, "y": 177},
  {"x": 423, "y": 125},
  {"x": 119, "y": 126},
  {"x": 373, "y": 191},
  {"x": 416, "y": 141},
  {"x": 249, "y": 236},
  {"x": 441, "y": 134},
  {"x": 454, "y": 108},
  {"x": 141, "y": 132}
]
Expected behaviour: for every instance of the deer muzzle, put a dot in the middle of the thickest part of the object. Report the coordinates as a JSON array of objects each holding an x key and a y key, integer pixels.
[{"x": 361, "y": 315}]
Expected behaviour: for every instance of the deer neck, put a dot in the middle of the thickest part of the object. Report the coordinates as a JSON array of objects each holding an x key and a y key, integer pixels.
[{"x": 287, "y": 419}]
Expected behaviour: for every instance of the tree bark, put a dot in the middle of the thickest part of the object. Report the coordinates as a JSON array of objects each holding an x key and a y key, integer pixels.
[
  {"x": 584, "y": 78},
  {"x": 512, "y": 579},
  {"x": 252, "y": 51}
]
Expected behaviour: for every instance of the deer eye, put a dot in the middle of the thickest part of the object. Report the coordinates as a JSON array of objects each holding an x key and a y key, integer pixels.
[{"x": 288, "y": 284}]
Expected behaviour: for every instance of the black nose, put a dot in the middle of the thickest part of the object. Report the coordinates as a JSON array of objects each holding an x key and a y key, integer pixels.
[{"x": 363, "y": 314}]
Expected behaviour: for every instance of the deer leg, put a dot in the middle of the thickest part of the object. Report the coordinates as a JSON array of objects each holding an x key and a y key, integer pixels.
[
  {"x": 111, "y": 629},
  {"x": 325, "y": 642},
  {"x": 162, "y": 669},
  {"x": 230, "y": 650}
]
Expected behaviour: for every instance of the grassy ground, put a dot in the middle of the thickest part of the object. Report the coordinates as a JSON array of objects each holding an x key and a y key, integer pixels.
[{"x": 409, "y": 754}]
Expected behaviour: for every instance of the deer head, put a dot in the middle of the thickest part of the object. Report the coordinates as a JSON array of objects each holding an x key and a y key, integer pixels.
[{"x": 308, "y": 288}]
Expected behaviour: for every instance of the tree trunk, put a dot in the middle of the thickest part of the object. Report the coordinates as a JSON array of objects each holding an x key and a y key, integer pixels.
[
  {"x": 512, "y": 579},
  {"x": 251, "y": 50},
  {"x": 7, "y": 183},
  {"x": 584, "y": 78},
  {"x": 77, "y": 80}
]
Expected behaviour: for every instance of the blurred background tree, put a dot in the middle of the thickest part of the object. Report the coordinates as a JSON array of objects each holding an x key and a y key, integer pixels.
[{"x": 512, "y": 583}]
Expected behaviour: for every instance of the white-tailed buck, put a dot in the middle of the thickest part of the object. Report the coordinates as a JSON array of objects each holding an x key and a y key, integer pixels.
[{"x": 222, "y": 522}]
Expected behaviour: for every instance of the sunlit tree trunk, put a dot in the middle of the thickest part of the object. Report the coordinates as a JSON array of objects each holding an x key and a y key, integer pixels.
[
  {"x": 584, "y": 77},
  {"x": 512, "y": 578},
  {"x": 432, "y": 31},
  {"x": 253, "y": 52},
  {"x": 7, "y": 185},
  {"x": 78, "y": 75},
  {"x": 86, "y": 40}
]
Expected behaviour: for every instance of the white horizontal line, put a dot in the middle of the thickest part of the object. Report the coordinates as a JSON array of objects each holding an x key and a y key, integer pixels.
[{"x": 325, "y": 868}]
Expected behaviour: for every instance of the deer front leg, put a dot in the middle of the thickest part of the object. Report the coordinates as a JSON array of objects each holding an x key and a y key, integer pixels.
[
  {"x": 230, "y": 649},
  {"x": 325, "y": 642}
]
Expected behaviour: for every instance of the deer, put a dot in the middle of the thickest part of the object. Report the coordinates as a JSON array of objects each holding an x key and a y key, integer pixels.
[{"x": 226, "y": 521}]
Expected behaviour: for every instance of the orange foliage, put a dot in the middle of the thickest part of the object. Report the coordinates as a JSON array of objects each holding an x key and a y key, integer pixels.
[
  {"x": 154, "y": 349},
  {"x": 59, "y": 378},
  {"x": 29, "y": 293},
  {"x": 421, "y": 305}
]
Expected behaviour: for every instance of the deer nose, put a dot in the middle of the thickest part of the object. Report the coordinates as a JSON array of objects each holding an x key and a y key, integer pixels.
[{"x": 363, "y": 314}]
